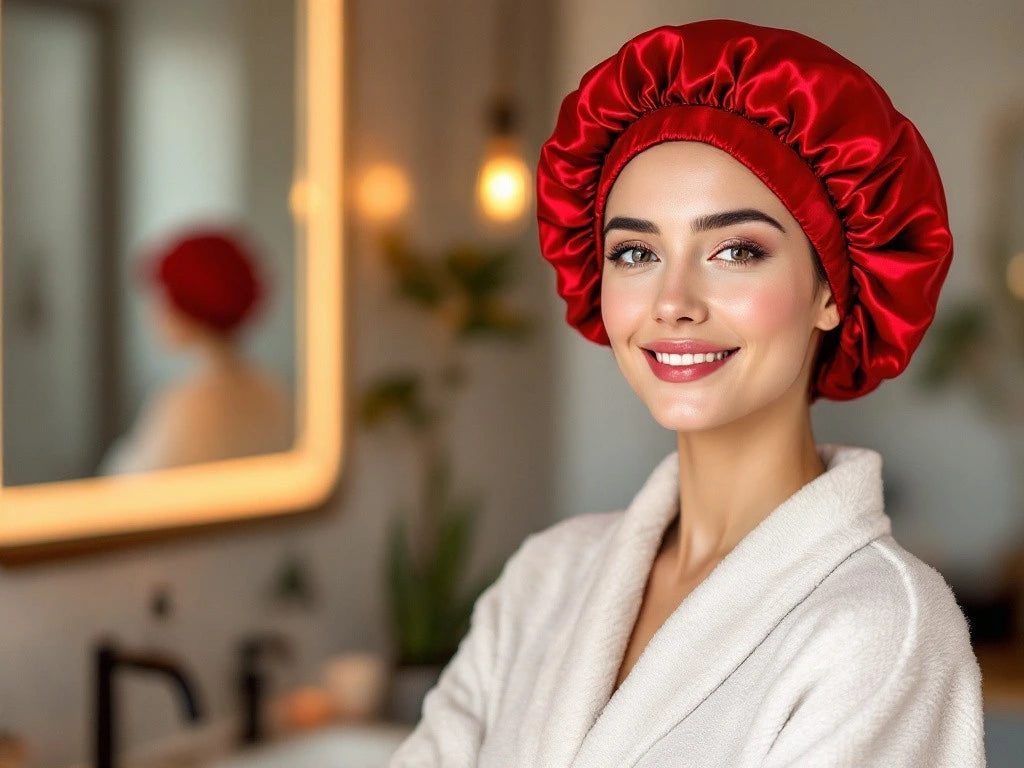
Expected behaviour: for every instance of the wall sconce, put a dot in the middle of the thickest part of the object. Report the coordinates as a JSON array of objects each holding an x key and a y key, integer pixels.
[{"x": 383, "y": 193}]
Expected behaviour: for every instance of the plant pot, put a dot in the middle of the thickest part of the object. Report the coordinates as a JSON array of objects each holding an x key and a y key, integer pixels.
[{"x": 409, "y": 686}]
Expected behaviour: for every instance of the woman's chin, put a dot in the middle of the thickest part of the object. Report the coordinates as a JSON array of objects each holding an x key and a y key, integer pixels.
[{"x": 686, "y": 417}]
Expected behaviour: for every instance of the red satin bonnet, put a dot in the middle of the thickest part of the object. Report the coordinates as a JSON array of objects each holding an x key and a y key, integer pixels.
[
  {"x": 210, "y": 276},
  {"x": 814, "y": 127}
]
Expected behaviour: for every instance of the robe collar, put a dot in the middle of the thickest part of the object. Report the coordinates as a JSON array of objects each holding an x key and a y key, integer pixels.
[{"x": 771, "y": 570}]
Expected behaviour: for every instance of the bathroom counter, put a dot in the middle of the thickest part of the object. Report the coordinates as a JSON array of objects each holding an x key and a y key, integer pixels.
[{"x": 354, "y": 745}]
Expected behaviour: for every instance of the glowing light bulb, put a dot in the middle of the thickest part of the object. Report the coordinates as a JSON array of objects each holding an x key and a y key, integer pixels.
[
  {"x": 504, "y": 184},
  {"x": 384, "y": 193}
]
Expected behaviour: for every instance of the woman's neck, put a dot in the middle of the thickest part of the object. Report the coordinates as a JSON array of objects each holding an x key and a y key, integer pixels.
[
  {"x": 731, "y": 478},
  {"x": 218, "y": 353}
]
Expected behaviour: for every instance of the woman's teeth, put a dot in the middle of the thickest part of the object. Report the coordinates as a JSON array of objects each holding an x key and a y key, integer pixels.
[{"x": 702, "y": 357}]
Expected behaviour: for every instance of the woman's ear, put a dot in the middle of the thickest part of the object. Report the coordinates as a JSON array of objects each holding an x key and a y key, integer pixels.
[{"x": 828, "y": 310}]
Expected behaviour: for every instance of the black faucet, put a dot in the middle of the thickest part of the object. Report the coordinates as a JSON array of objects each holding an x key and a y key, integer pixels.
[
  {"x": 251, "y": 681},
  {"x": 108, "y": 659}
]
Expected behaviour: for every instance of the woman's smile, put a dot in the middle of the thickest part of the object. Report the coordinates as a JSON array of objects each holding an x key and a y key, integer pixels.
[
  {"x": 684, "y": 371},
  {"x": 684, "y": 361}
]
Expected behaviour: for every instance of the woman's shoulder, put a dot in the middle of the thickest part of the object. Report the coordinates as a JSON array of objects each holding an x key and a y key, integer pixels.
[
  {"x": 577, "y": 533},
  {"x": 550, "y": 570},
  {"x": 884, "y": 579},
  {"x": 579, "y": 540},
  {"x": 888, "y": 608},
  {"x": 879, "y": 652}
]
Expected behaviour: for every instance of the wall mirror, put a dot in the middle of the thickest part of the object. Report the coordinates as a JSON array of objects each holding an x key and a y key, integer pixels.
[{"x": 171, "y": 265}]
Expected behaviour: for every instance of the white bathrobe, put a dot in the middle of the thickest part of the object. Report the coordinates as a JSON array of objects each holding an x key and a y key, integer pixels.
[{"x": 818, "y": 641}]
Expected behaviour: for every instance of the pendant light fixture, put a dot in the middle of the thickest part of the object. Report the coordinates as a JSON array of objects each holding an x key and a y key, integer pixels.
[{"x": 504, "y": 188}]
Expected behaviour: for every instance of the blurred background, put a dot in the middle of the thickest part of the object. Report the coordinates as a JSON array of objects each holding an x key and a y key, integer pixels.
[{"x": 474, "y": 414}]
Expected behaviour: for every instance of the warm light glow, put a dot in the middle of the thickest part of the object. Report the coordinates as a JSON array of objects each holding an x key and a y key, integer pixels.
[
  {"x": 303, "y": 201},
  {"x": 384, "y": 193},
  {"x": 503, "y": 187},
  {"x": 243, "y": 488},
  {"x": 1015, "y": 276}
]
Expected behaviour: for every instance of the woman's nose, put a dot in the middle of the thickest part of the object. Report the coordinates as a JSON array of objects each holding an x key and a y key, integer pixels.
[{"x": 681, "y": 294}]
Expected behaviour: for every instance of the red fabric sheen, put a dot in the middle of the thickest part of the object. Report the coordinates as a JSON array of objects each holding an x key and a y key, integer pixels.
[{"x": 210, "y": 276}]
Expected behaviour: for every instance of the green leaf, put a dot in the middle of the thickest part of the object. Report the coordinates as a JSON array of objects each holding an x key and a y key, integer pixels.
[
  {"x": 416, "y": 279},
  {"x": 953, "y": 338},
  {"x": 452, "y": 554},
  {"x": 412, "y": 611},
  {"x": 439, "y": 478},
  {"x": 493, "y": 319},
  {"x": 395, "y": 395},
  {"x": 293, "y": 583},
  {"x": 478, "y": 273},
  {"x": 401, "y": 582},
  {"x": 430, "y": 605}
]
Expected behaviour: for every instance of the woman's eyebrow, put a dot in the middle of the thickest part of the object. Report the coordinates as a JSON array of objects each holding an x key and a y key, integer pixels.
[
  {"x": 633, "y": 225},
  {"x": 700, "y": 224},
  {"x": 728, "y": 218}
]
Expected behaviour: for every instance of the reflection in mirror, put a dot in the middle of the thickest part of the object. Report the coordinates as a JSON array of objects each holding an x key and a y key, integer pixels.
[{"x": 149, "y": 253}]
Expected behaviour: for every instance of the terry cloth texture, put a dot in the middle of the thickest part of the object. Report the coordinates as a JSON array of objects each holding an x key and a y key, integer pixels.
[{"x": 817, "y": 641}]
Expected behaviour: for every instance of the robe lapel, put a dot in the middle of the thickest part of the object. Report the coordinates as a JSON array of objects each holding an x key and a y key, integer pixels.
[
  {"x": 580, "y": 669},
  {"x": 720, "y": 623}
]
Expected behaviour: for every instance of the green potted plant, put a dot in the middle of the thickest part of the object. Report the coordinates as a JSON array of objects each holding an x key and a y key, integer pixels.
[{"x": 430, "y": 593}]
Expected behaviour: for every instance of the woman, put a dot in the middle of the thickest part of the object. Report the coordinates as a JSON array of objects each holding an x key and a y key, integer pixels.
[
  {"x": 205, "y": 290},
  {"x": 744, "y": 217}
]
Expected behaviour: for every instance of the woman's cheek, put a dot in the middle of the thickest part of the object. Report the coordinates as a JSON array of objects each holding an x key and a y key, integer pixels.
[
  {"x": 623, "y": 307},
  {"x": 767, "y": 310}
]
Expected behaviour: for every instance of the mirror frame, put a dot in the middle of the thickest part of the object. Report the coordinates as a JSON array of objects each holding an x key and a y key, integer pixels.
[{"x": 48, "y": 519}]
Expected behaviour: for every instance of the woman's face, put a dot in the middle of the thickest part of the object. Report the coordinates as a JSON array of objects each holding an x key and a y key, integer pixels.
[{"x": 697, "y": 249}]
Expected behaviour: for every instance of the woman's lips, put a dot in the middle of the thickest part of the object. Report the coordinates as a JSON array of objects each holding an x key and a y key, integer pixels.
[{"x": 683, "y": 373}]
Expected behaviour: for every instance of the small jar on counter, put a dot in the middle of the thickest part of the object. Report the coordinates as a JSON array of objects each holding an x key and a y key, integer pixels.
[{"x": 12, "y": 751}]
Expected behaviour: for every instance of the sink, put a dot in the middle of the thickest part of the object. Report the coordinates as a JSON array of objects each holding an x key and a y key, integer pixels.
[{"x": 362, "y": 746}]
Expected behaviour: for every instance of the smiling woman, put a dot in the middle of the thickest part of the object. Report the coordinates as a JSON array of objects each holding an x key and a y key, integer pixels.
[{"x": 746, "y": 242}]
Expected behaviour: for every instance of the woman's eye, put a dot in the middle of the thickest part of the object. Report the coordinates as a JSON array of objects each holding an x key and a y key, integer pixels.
[
  {"x": 741, "y": 254},
  {"x": 631, "y": 256}
]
